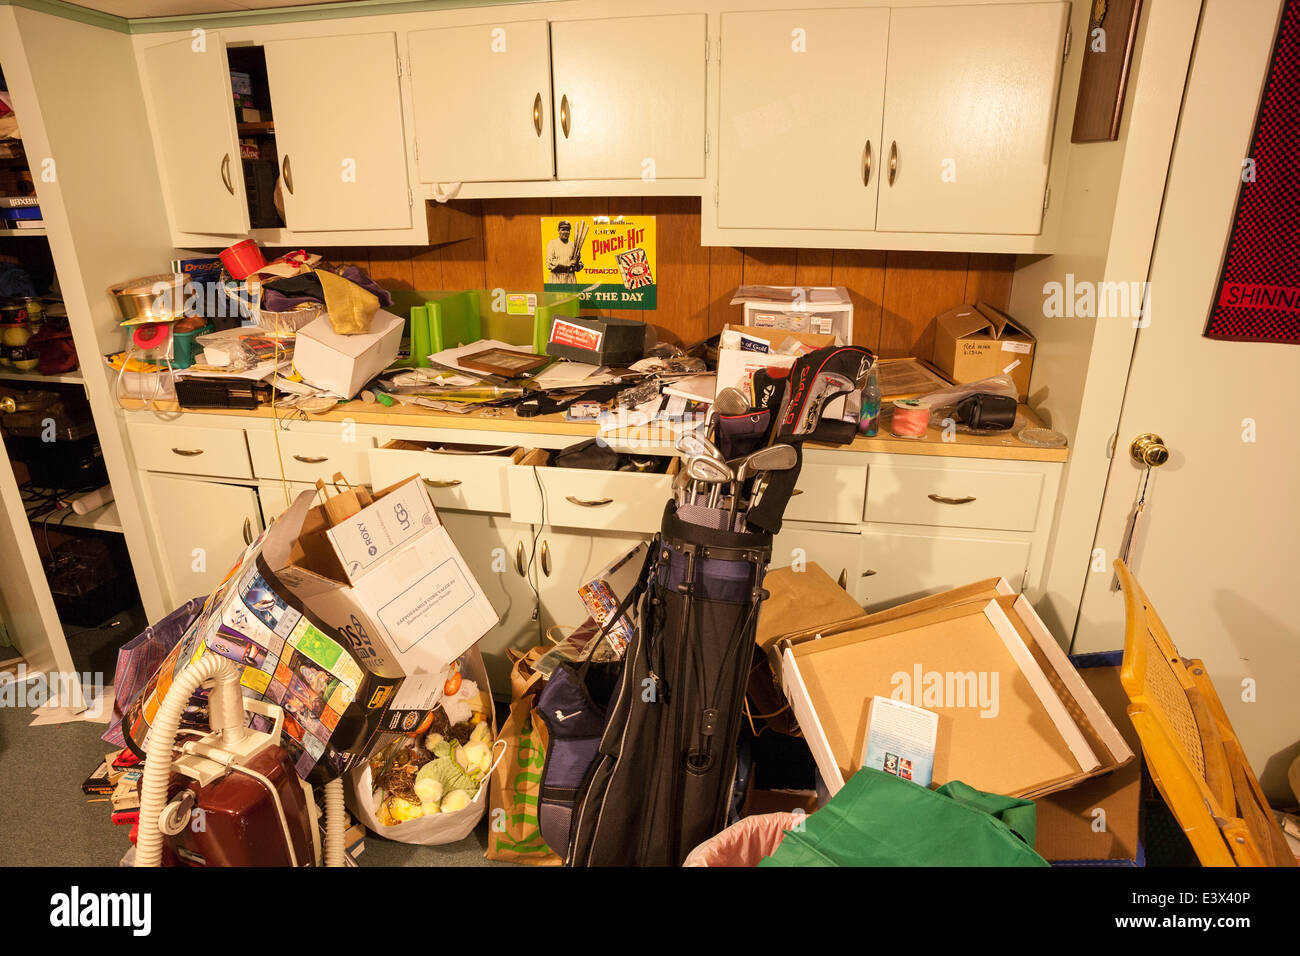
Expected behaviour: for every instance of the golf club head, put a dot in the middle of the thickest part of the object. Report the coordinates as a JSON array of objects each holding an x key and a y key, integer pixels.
[
  {"x": 695, "y": 445},
  {"x": 730, "y": 401}
]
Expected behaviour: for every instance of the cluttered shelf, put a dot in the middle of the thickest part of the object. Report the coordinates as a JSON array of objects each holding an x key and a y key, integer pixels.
[{"x": 1003, "y": 446}]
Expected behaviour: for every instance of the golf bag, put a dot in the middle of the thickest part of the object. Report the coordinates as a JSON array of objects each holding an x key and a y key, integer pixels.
[{"x": 662, "y": 777}]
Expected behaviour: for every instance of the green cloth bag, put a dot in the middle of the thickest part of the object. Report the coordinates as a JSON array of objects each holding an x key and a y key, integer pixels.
[{"x": 878, "y": 819}]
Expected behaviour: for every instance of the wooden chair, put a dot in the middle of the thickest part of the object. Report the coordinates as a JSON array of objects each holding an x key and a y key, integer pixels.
[{"x": 1191, "y": 751}]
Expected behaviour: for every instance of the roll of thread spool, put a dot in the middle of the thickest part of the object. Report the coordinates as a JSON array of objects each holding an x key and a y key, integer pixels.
[{"x": 911, "y": 418}]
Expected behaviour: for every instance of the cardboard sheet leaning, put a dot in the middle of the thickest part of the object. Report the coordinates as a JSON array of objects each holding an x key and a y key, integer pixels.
[{"x": 329, "y": 647}]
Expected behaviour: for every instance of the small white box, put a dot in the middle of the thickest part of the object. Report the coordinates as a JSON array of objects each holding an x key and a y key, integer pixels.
[
  {"x": 815, "y": 310},
  {"x": 341, "y": 364}
]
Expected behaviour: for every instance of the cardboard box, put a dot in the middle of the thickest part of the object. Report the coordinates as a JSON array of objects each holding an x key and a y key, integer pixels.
[
  {"x": 341, "y": 364},
  {"x": 797, "y": 601},
  {"x": 394, "y": 562},
  {"x": 818, "y": 310},
  {"x": 1068, "y": 829},
  {"x": 736, "y": 366},
  {"x": 1033, "y": 729},
  {"x": 972, "y": 342}
]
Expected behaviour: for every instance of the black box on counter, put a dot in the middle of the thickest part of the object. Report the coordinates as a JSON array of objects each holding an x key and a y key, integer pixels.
[{"x": 597, "y": 340}]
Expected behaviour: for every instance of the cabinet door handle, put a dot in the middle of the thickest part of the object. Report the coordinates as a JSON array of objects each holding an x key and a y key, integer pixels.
[
  {"x": 564, "y": 115},
  {"x": 893, "y": 161},
  {"x": 519, "y": 558},
  {"x": 866, "y": 163},
  {"x": 187, "y": 452},
  {"x": 443, "y": 483},
  {"x": 546, "y": 558},
  {"x": 868, "y": 573},
  {"x": 287, "y": 173},
  {"x": 843, "y": 579},
  {"x": 225, "y": 174},
  {"x": 308, "y": 460},
  {"x": 537, "y": 114},
  {"x": 797, "y": 491},
  {"x": 248, "y": 531},
  {"x": 952, "y": 501},
  {"x": 589, "y": 503}
]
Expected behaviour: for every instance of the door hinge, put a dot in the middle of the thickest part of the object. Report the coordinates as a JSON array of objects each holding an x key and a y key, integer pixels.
[
  {"x": 715, "y": 194},
  {"x": 410, "y": 199},
  {"x": 1024, "y": 580},
  {"x": 717, "y": 54},
  {"x": 706, "y": 49},
  {"x": 399, "y": 67},
  {"x": 1047, "y": 197},
  {"x": 1066, "y": 52},
  {"x": 416, "y": 146},
  {"x": 706, "y": 142}
]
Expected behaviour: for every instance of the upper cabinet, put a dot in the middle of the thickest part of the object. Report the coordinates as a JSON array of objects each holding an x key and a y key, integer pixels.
[
  {"x": 801, "y": 100},
  {"x": 530, "y": 101},
  {"x": 201, "y": 169},
  {"x": 481, "y": 97},
  {"x": 338, "y": 131},
  {"x": 858, "y": 127},
  {"x": 970, "y": 96},
  {"x": 629, "y": 97}
]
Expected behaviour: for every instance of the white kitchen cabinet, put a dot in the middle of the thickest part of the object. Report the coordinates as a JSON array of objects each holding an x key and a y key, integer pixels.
[
  {"x": 339, "y": 133},
  {"x": 970, "y": 98},
  {"x": 629, "y": 97},
  {"x": 800, "y": 106},
  {"x": 200, "y": 529},
  {"x": 482, "y": 102},
  {"x": 188, "y": 86},
  {"x": 837, "y": 552},
  {"x": 566, "y": 560},
  {"x": 901, "y": 566}
]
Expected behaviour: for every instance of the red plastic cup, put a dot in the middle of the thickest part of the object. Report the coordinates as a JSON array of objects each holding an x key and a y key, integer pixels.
[{"x": 242, "y": 259}]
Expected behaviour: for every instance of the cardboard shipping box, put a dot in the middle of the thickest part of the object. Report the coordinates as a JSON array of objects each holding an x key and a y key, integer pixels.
[
  {"x": 972, "y": 342},
  {"x": 341, "y": 364},
  {"x": 1030, "y": 728},
  {"x": 736, "y": 366}
]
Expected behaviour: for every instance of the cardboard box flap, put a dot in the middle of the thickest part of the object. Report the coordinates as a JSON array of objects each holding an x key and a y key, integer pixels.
[
  {"x": 964, "y": 320},
  {"x": 801, "y": 599},
  {"x": 1004, "y": 326}
]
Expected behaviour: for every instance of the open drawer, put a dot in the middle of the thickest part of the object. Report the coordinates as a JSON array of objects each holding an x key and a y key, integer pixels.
[
  {"x": 458, "y": 477},
  {"x": 586, "y": 498}
]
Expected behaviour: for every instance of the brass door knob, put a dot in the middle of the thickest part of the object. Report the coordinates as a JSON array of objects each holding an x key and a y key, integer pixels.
[{"x": 1149, "y": 450}]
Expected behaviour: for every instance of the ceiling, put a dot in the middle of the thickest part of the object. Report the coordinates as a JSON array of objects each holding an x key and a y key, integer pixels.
[{"x": 138, "y": 9}]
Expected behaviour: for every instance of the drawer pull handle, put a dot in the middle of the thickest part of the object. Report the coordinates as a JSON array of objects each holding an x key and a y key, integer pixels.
[
  {"x": 868, "y": 573},
  {"x": 593, "y": 503},
  {"x": 248, "y": 531},
  {"x": 309, "y": 460},
  {"x": 519, "y": 558},
  {"x": 546, "y": 558},
  {"x": 438, "y": 483},
  {"x": 952, "y": 501},
  {"x": 187, "y": 452}
]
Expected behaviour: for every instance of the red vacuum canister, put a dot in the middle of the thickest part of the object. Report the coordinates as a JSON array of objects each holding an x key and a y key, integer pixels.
[{"x": 257, "y": 813}]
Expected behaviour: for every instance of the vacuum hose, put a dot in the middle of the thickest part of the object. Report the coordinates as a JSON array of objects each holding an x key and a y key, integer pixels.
[
  {"x": 334, "y": 822},
  {"x": 162, "y": 738}
]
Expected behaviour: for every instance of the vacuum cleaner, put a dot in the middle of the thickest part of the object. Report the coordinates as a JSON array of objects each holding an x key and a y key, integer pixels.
[{"x": 232, "y": 796}]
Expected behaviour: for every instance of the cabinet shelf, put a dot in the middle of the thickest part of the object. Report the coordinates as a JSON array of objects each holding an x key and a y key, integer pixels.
[{"x": 15, "y": 375}]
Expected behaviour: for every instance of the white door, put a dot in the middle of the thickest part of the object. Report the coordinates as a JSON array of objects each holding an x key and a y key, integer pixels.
[
  {"x": 629, "y": 97},
  {"x": 566, "y": 560},
  {"x": 201, "y": 528},
  {"x": 188, "y": 84},
  {"x": 338, "y": 129},
  {"x": 482, "y": 99},
  {"x": 1216, "y": 551},
  {"x": 970, "y": 97},
  {"x": 800, "y": 106}
]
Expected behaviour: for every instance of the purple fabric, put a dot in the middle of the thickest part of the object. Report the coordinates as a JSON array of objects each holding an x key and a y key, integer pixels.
[{"x": 360, "y": 277}]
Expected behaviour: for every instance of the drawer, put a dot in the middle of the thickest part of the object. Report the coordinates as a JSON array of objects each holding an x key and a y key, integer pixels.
[
  {"x": 582, "y": 498},
  {"x": 456, "y": 482},
  {"x": 953, "y": 497},
  {"x": 833, "y": 493},
  {"x": 190, "y": 450},
  {"x": 902, "y": 566},
  {"x": 308, "y": 456}
]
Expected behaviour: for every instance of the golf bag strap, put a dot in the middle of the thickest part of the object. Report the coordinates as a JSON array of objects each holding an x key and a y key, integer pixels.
[{"x": 633, "y": 594}]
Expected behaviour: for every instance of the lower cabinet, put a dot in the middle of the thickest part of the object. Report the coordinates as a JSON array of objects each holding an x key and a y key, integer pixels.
[
  {"x": 200, "y": 529},
  {"x": 566, "y": 560},
  {"x": 838, "y": 553},
  {"x": 901, "y": 566}
]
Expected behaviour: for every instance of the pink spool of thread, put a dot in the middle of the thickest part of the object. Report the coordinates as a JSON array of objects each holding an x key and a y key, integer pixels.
[{"x": 911, "y": 418}]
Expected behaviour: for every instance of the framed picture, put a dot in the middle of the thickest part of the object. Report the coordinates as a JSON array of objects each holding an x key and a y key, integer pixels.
[{"x": 504, "y": 362}]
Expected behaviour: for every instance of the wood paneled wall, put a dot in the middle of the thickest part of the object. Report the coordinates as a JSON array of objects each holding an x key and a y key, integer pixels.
[{"x": 896, "y": 294}]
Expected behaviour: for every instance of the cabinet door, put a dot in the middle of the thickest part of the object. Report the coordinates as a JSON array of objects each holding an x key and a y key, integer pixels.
[
  {"x": 629, "y": 97},
  {"x": 194, "y": 116},
  {"x": 970, "y": 98},
  {"x": 201, "y": 528},
  {"x": 800, "y": 105},
  {"x": 565, "y": 561},
  {"x": 838, "y": 553},
  {"x": 482, "y": 98},
  {"x": 338, "y": 128},
  {"x": 898, "y": 566},
  {"x": 496, "y": 552}
]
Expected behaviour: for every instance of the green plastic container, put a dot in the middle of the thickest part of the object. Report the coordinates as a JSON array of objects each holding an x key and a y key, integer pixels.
[{"x": 444, "y": 320}]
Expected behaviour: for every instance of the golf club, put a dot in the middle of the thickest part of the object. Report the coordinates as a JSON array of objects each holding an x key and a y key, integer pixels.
[
  {"x": 771, "y": 458},
  {"x": 709, "y": 471}
]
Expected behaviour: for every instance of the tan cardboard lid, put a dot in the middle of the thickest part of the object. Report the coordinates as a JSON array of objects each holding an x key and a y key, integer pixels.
[
  {"x": 798, "y": 600},
  {"x": 979, "y": 319}
]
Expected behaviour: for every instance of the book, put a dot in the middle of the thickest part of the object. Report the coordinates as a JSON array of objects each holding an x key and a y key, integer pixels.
[{"x": 900, "y": 739}]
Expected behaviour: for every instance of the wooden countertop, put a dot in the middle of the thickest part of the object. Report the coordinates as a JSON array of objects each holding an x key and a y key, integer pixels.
[{"x": 1004, "y": 446}]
